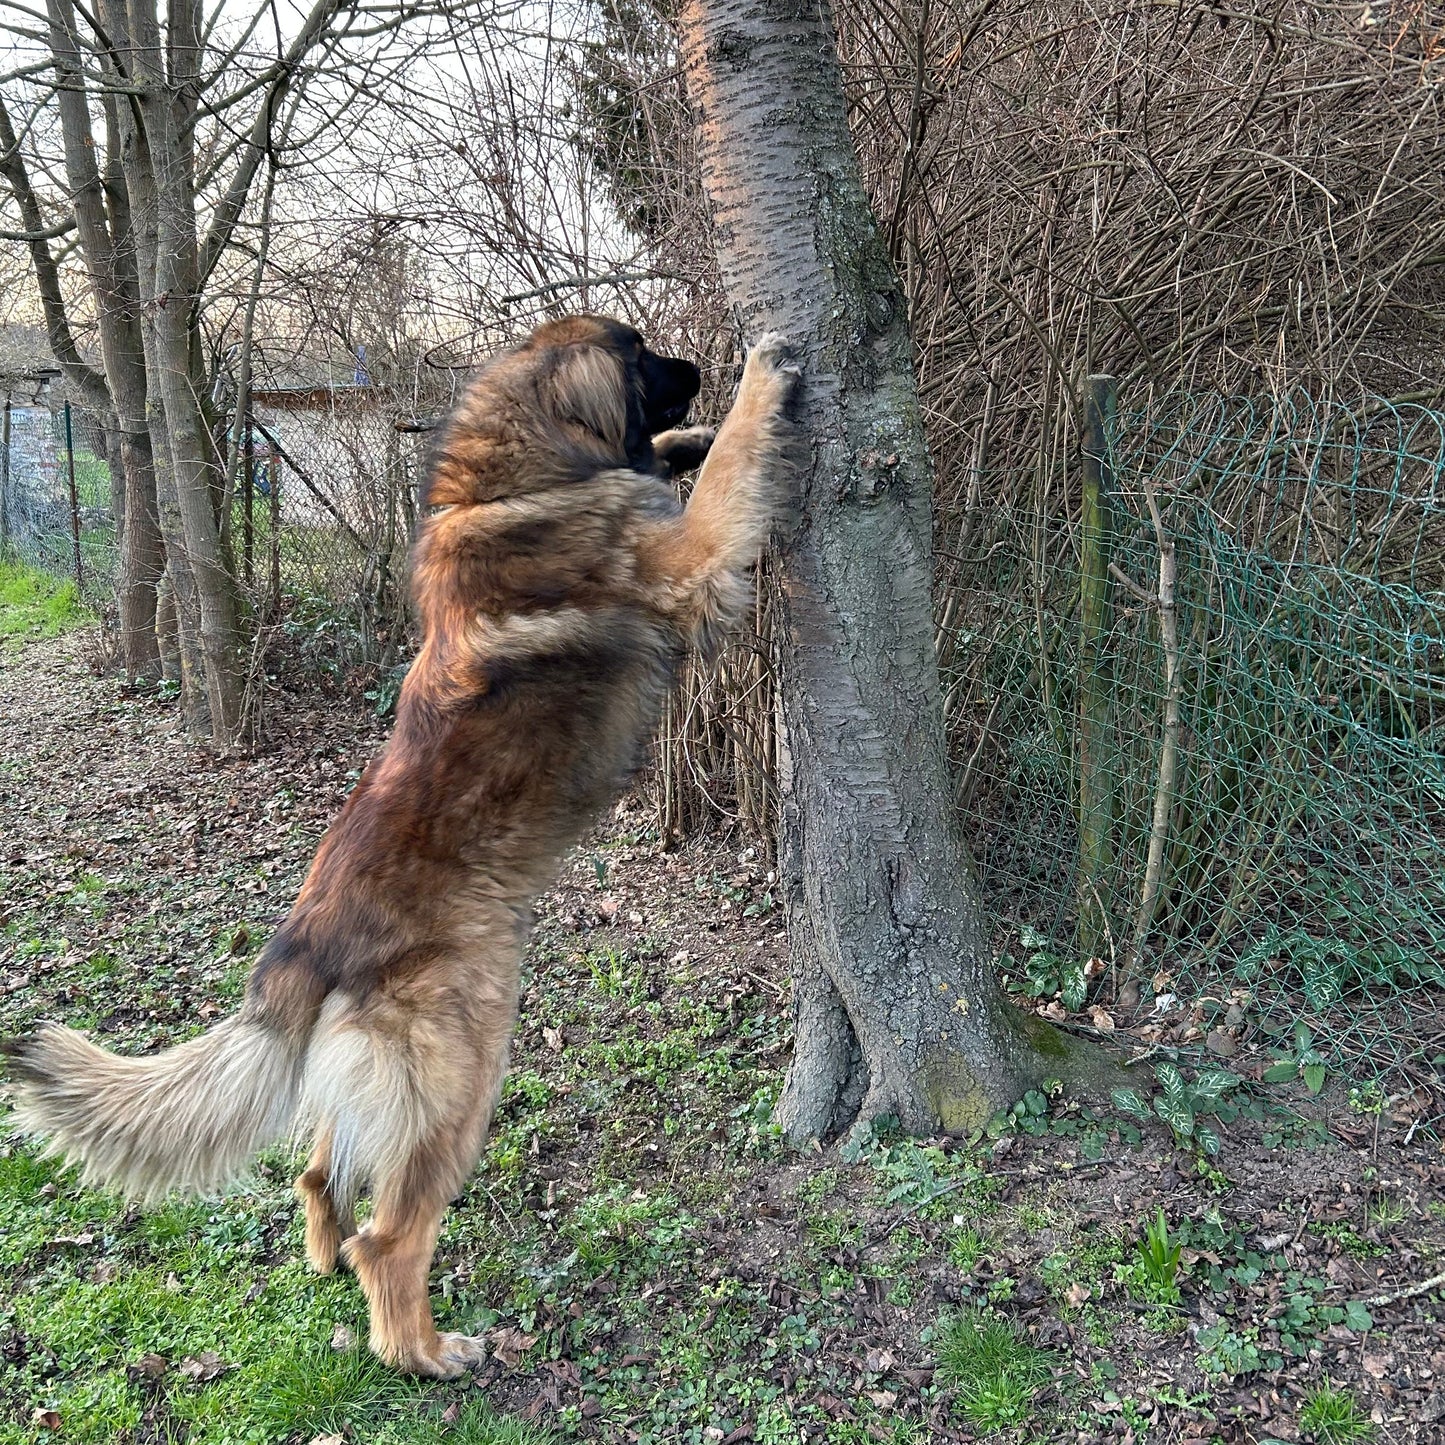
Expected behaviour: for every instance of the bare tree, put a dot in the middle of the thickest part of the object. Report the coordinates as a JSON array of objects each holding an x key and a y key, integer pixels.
[
  {"x": 897, "y": 1004},
  {"x": 167, "y": 125}
]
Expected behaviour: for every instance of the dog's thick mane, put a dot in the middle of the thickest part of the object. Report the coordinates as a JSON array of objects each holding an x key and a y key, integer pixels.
[{"x": 546, "y": 414}]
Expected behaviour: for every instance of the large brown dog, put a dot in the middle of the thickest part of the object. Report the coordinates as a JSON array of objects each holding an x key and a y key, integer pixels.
[{"x": 559, "y": 583}]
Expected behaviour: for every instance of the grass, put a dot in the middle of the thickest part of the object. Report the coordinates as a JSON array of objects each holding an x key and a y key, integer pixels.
[
  {"x": 1331, "y": 1417},
  {"x": 655, "y": 1266},
  {"x": 993, "y": 1371},
  {"x": 196, "y": 1320},
  {"x": 35, "y": 604}
]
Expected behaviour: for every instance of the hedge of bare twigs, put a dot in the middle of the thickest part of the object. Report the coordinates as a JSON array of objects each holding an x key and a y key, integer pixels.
[
  {"x": 1230, "y": 200},
  {"x": 1205, "y": 201}
]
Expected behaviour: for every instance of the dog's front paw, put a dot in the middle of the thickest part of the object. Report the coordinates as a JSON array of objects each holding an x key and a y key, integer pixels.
[
  {"x": 774, "y": 352},
  {"x": 685, "y": 448},
  {"x": 773, "y": 372}
]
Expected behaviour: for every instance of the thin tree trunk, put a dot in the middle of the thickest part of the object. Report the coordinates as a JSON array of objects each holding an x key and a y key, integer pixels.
[
  {"x": 178, "y": 610},
  {"x": 102, "y": 218},
  {"x": 897, "y": 1005},
  {"x": 159, "y": 171}
]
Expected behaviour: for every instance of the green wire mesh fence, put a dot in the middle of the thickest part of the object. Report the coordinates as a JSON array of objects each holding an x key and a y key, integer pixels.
[
  {"x": 1221, "y": 774},
  {"x": 55, "y": 504}
]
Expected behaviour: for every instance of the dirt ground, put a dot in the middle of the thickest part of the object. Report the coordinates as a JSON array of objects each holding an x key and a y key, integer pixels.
[{"x": 647, "y": 1260}]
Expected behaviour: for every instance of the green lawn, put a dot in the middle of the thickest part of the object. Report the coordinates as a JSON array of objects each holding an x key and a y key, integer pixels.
[
  {"x": 35, "y": 604},
  {"x": 646, "y": 1261}
]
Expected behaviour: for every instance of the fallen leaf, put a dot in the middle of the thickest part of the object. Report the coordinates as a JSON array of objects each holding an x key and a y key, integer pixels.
[
  {"x": 46, "y": 1419},
  {"x": 509, "y": 1345},
  {"x": 151, "y": 1367},
  {"x": 1222, "y": 1043},
  {"x": 205, "y": 1366},
  {"x": 1076, "y": 1294},
  {"x": 343, "y": 1338}
]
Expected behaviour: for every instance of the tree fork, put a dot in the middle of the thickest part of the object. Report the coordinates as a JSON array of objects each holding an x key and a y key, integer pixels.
[{"x": 897, "y": 1006}]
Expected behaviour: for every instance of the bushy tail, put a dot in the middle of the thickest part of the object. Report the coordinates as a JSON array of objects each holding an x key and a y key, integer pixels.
[{"x": 189, "y": 1118}]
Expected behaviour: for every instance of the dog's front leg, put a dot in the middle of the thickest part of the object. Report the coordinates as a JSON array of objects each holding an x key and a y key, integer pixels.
[
  {"x": 695, "y": 565},
  {"x": 684, "y": 448}
]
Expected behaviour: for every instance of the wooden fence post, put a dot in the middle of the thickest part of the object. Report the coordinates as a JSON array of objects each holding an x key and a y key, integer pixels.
[
  {"x": 1097, "y": 785},
  {"x": 5, "y": 481},
  {"x": 248, "y": 501}
]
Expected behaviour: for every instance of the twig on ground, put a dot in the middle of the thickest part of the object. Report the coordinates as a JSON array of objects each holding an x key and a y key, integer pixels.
[{"x": 1423, "y": 1286}]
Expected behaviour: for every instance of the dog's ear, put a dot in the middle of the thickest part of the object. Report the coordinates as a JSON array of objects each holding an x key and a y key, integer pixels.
[{"x": 586, "y": 386}]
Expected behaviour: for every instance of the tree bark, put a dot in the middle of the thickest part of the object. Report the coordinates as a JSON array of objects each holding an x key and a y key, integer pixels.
[
  {"x": 103, "y": 221},
  {"x": 155, "y": 123},
  {"x": 898, "y": 1009}
]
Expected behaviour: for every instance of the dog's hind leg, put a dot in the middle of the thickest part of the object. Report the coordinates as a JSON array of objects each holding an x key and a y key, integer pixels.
[
  {"x": 329, "y": 1220},
  {"x": 457, "y": 1059},
  {"x": 392, "y": 1255}
]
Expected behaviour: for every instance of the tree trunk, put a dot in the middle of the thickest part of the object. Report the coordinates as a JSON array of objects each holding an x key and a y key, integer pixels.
[
  {"x": 103, "y": 221},
  {"x": 158, "y": 169},
  {"x": 897, "y": 1005}
]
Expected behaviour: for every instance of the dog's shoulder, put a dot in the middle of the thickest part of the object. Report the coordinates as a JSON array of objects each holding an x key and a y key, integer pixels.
[{"x": 571, "y": 544}]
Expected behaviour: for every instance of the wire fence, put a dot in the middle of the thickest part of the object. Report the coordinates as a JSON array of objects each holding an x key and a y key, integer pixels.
[
  {"x": 322, "y": 516},
  {"x": 320, "y": 512},
  {"x": 55, "y": 503},
  {"x": 1220, "y": 770},
  {"x": 1194, "y": 682}
]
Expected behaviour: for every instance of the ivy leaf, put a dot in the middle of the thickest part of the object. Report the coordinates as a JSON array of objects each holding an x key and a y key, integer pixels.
[
  {"x": 1170, "y": 1080},
  {"x": 1253, "y": 960},
  {"x": 1075, "y": 987}
]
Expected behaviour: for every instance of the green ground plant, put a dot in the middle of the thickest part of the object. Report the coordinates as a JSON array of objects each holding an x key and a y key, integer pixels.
[
  {"x": 994, "y": 1372},
  {"x": 1331, "y": 1417},
  {"x": 1153, "y": 1275},
  {"x": 1184, "y": 1104},
  {"x": 34, "y": 604}
]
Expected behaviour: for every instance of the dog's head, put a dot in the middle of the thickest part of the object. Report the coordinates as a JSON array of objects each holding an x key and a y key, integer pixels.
[
  {"x": 597, "y": 375},
  {"x": 579, "y": 393}
]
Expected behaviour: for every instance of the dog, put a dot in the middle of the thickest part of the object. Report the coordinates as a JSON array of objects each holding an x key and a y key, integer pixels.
[{"x": 559, "y": 583}]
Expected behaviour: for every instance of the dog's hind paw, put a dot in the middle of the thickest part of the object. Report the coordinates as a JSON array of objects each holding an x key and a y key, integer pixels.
[
  {"x": 456, "y": 1354},
  {"x": 450, "y": 1356}
]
